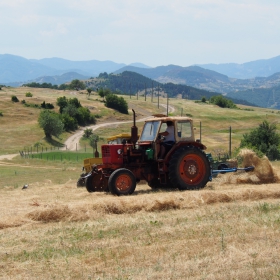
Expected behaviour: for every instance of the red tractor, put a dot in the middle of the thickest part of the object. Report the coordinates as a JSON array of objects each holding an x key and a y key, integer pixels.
[{"x": 184, "y": 164}]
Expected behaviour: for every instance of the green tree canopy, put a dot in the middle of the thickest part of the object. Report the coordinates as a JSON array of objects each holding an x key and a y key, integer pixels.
[
  {"x": 51, "y": 123},
  {"x": 118, "y": 103},
  {"x": 263, "y": 138},
  {"x": 89, "y": 90},
  {"x": 62, "y": 102},
  {"x": 93, "y": 139},
  {"x": 222, "y": 102},
  {"x": 77, "y": 85}
]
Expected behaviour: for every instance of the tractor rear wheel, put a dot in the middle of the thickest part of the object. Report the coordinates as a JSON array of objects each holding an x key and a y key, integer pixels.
[
  {"x": 189, "y": 169},
  {"x": 122, "y": 182}
]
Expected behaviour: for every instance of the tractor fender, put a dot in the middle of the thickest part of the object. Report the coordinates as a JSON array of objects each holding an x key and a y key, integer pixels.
[{"x": 180, "y": 145}]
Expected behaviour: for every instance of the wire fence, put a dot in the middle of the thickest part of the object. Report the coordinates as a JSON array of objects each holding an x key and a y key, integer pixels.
[{"x": 58, "y": 153}]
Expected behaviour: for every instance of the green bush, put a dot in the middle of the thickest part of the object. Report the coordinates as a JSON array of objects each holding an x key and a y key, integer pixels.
[
  {"x": 222, "y": 102},
  {"x": 1, "y": 114},
  {"x": 87, "y": 133},
  {"x": 70, "y": 123},
  {"x": 14, "y": 98},
  {"x": 264, "y": 139},
  {"x": 203, "y": 99},
  {"x": 51, "y": 124},
  {"x": 45, "y": 105},
  {"x": 28, "y": 94},
  {"x": 118, "y": 103}
]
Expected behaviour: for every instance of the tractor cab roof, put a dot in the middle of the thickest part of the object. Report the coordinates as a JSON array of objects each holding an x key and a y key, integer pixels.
[{"x": 164, "y": 118}]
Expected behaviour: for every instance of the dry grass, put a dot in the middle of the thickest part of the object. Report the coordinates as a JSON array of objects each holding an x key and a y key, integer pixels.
[
  {"x": 225, "y": 231},
  {"x": 53, "y": 230},
  {"x": 19, "y": 121}
]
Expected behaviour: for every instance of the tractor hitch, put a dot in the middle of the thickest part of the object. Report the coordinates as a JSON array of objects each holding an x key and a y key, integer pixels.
[{"x": 234, "y": 169}]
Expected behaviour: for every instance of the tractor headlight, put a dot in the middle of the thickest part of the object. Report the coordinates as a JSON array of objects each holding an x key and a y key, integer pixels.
[{"x": 119, "y": 151}]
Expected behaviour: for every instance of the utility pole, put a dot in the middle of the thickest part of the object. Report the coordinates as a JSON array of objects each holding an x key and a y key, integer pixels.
[
  {"x": 152, "y": 91},
  {"x": 158, "y": 97},
  {"x": 230, "y": 141},
  {"x": 167, "y": 106},
  {"x": 145, "y": 91}
]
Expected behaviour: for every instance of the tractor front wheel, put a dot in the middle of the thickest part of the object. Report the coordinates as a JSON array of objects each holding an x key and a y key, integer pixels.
[
  {"x": 96, "y": 183},
  {"x": 189, "y": 169},
  {"x": 122, "y": 182}
]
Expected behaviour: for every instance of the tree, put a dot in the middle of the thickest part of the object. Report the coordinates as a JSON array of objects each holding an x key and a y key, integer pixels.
[
  {"x": 93, "y": 139},
  {"x": 89, "y": 90},
  {"x": 77, "y": 85},
  {"x": 118, "y": 103},
  {"x": 101, "y": 93},
  {"x": 87, "y": 132},
  {"x": 203, "y": 99},
  {"x": 70, "y": 109},
  {"x": 222, "y": 102},
  {"x": 83, "y": 116},
  {"x": 51, "y": 124},
  {"x": 75, "y": 101},
  {"x": 69, "y": 122},
  {"x": 14, "y": 98},
  {"x": 264, "y": 139},
  {"x": 62, "y": 102}
]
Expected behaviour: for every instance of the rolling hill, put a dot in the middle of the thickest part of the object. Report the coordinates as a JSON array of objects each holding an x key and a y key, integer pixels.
[
  {"x": 131, "y": 83},
  {"x": 257, "y": 68}
]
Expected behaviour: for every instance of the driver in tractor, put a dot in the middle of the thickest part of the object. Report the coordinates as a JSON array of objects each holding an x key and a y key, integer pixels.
[{"x": 168, "y": 141}]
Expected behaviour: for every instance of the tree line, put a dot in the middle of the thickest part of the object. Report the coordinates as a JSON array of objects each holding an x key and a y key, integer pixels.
[{"x": 71, "y": 115}]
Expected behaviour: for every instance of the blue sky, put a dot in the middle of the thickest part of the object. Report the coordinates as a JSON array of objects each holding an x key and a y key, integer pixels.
[{"x": 153, "y": 32}]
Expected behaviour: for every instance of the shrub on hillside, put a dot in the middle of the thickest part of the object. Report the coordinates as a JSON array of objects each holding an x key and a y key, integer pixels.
[
  {"x": 264, "y": 139},
  {"x": 118, "y": 103},
  {"x": 1, "y": 114},
  {"x": 14, "y": 98},
  {"x": 45, "y": 105},
  {"x": 70, "y": 123},
  {"x": 87, "y": 132},
  {"x": 222, "y": 102},
  {"x": 28, "y": 94},
  {"x": 77, "y": 85},
  {"x": 51, "y": 123}
]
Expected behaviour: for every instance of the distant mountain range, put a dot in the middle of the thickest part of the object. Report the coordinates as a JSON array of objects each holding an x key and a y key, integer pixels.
[
  {"x": 235, "y": 80},
  {"x": 18, "y": 70},
  {"x": 199, "y": 77},
  {"x": 248, "y": 70},
  {"x": 131, "y": 83}
]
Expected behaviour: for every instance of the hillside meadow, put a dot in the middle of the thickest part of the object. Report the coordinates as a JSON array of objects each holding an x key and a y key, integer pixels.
[
  {"x": 54, "y": 230},
  {"x": 20, "y": 127}
]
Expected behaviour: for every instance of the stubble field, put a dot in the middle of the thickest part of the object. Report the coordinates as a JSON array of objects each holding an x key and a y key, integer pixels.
[{"x": 54, "y": 230}]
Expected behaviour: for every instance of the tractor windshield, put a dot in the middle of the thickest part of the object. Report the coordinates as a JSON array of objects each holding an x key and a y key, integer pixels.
[{"x": 150, "y": 131}]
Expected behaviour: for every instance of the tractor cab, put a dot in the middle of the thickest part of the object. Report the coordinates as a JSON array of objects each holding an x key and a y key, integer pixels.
[{"x": 151, "y": 137}]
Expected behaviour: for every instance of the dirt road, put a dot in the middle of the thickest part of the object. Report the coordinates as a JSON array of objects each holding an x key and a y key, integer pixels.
[{"x": 72, "y": 143}]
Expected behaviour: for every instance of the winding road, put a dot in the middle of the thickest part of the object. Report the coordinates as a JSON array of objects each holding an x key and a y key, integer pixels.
[{"x": 72, "y": 143}]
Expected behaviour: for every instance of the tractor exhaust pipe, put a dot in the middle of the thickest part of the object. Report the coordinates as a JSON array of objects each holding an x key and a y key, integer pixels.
[{"x": 134, "y": 130}]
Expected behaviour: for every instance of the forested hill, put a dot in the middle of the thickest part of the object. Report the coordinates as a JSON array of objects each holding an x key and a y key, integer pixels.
[
  {"x": 262, "y": 97},
  {"x": 130, "y": 83}
]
